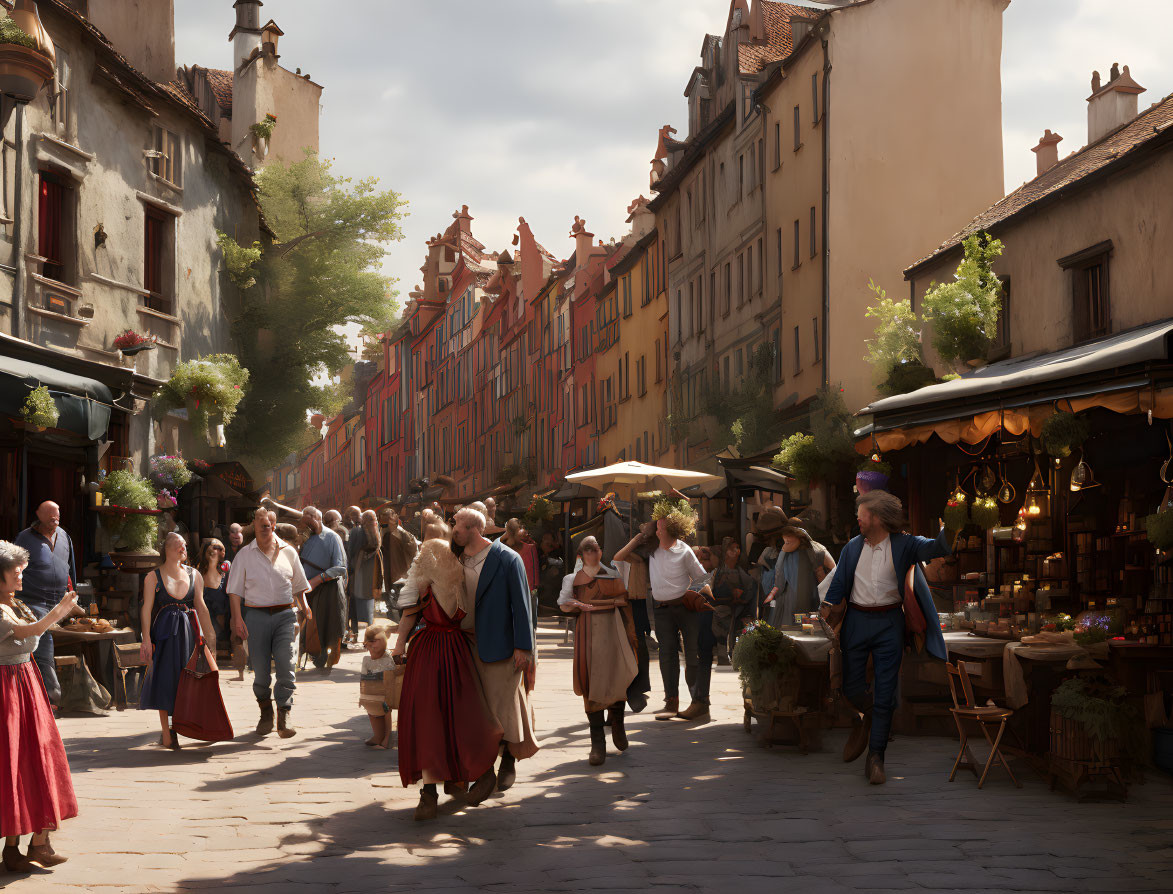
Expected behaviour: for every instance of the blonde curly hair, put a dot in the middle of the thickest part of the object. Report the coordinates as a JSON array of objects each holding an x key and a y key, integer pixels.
[{"x": 679, "y": 517}]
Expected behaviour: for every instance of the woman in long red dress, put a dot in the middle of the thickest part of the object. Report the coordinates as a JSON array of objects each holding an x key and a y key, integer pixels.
[
  {"x": 446, "y": 733},
  {"x": 36, "y": 792}
]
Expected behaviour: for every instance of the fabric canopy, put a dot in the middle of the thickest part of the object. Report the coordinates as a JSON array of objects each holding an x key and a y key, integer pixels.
[
  {"x": 83, "y": 404},
  {"x": 639, "y": 474}
]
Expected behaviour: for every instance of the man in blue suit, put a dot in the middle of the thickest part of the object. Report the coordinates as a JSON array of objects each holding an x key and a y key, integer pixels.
[
  {"x": 867, "y": 593},
  {"x": 504, "y": 635}
]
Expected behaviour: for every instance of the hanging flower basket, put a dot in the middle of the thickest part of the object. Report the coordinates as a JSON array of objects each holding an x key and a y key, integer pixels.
[
  {"x": 26, "y": 53},
  {"x": 208, "y": 387},
  {"x": 40, "y": 410},
  {"x": 134, "y": 527},
  {"x": 873, "y": 476}
]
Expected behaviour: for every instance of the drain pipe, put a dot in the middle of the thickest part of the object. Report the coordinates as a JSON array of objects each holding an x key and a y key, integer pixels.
[
  {"x": 826, "y": 338},
  {"x": 17, "y": 214}
]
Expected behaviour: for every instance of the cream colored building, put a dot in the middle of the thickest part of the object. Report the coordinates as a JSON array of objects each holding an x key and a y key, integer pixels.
[{"x": 883, "y": 130}]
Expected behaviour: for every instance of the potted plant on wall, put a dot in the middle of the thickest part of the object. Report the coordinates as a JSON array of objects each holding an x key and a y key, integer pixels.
[
  {"x": 27, "y": 58},
  {"x": 209, "y": 389},
  {"x": 262, "y": 133},
  {"x": 130, "y": 519},
  {"x": 1063, "y": 433},
  {"x": 40, "y": 410}
]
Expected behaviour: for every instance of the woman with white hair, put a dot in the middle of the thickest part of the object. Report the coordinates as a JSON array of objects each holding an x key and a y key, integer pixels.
[{"x": 36, "y": 792}]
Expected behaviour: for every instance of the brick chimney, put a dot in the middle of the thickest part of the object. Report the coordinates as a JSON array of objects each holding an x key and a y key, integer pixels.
[
  {"x": 1111, "y": 105},
  {"x": 1047, "y": 151},
  {"x": 463, "y": 219}
]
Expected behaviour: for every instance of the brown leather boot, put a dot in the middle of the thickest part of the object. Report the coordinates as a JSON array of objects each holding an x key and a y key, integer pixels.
[
  {"x": 873, "y": 768},
  {"x": 265, "y": 724},
  {"x": 15, "y": 861},
  {"x": 618, "y": 733},
  {"x": 284, "y": 730},
  {"x": 695, "y": 711},
  {"x": 671, "y": 706},
  {"x": 428, "y": 806},
  {"x": 44, "y": 855},
  {"x": 598, "y": 753},
  {"x": 857, "y": 741},
  {"x": 482, "y": 788}
]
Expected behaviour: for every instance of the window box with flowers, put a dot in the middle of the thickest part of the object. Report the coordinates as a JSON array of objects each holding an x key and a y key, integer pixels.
[{"x": 131, "y": 342}]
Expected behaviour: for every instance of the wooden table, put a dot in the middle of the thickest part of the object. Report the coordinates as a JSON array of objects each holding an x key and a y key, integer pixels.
[{"x": 95, "y": 649}]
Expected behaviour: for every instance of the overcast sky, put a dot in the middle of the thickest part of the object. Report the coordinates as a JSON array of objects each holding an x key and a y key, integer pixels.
[{"x": 549, "y": 108}]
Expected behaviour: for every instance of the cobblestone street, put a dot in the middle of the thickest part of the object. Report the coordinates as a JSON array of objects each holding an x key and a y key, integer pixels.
[{"x": 693, "y": 808}]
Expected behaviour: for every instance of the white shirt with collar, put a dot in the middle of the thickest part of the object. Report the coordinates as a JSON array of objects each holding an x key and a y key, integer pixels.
[
  {"x": 264, "y": 584},
  {"x": 875, "y": 576},
  {"x": 671, "y": 571}
]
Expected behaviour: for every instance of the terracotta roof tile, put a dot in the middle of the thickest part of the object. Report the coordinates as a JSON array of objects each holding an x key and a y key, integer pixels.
[
  {"x": 780, "y": 41},
  {"x": 1146, "y": 126},
  {"x": 221, "y": 83}
]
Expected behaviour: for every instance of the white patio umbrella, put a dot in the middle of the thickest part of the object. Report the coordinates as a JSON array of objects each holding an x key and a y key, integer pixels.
[{"x": 642, "y": 475}]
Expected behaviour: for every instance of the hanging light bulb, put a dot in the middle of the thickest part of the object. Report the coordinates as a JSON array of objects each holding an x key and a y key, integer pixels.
[
  {"x": 1006, "y": 495},
  {"x": 1082, "y": 477}
]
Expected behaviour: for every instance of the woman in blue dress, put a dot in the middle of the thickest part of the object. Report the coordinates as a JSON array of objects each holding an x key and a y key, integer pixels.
[{"x": 171, "y": 593}]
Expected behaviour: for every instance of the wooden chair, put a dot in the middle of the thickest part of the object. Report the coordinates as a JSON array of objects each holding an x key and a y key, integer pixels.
[
  {"x": 127, "y": 657},
  {"x": 965, "y": 710}
]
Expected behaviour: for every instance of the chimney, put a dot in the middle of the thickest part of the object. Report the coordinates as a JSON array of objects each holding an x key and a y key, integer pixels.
[
  {"x": 246, "y": 36},
  {"x": 1112, "y": 105},
  {"x": 270, "y": 34},
  {"x": 463, "y": 219},
  {"x": 1047, "y": 152},
  {"x": 582, "y": 241}
]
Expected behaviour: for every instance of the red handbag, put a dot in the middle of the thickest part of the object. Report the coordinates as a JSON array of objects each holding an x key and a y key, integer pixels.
[{"x": 199, "y": 707}]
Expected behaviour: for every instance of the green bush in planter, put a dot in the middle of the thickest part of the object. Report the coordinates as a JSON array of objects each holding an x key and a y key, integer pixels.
[
  {"x": 10, "y": 32},
  {"x": 764, "y": 657},
  {"x": 1102, "y": 709},
  {"x": 134, "y": 533}
]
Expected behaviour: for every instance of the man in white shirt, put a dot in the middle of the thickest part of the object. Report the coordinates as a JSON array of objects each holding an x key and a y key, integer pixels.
[
  {"x": 265, "y": 583},
  {"x": 672, "y": 567},
  {"x": 869, "y": 583}
]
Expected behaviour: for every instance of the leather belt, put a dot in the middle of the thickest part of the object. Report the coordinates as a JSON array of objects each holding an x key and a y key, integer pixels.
[
  {"x": 876, "y": 608},
  {"x": 270, "y": 609}
]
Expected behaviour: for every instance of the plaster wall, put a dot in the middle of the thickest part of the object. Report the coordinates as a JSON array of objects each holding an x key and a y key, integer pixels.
[
  {"x": 1130, "y": 209},
  {"x": 915, "y": 150},
  {"x": 263, "y": 87},
  {"x": 142, "y": 30}
]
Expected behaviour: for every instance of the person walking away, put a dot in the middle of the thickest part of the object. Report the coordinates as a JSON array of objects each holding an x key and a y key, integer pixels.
[
  {"x": 355, "y": 541},
  {"x": 399, "y": 549},
  {"x": 372, "y": 690},
  {"x": 171, "y": 594},
  {"x": 36, "y": 791},
  {"x": 866, "y": 596},
  {"x": 323, "y": 560},
  {"x": 51, "y": 572},
  {"x": 368, "y": 570},
  {"x": 605, "y": 662},
  {"x": 672, "y": 566},
  {"x": 799, "y": 568},
  {"x": 504, "y": 636},
  {"x": 735, "y": 597},
  {"x": 447, "y": 733},
  {"x": 265, "y": 582}
]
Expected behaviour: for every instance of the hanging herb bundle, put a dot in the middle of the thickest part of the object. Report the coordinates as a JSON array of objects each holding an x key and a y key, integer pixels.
[
  {"x": 956, "y": 514},
  {"x": 40, "y": 409},
  {"x": 1062, "y": 433},
  {"x": 984, "y": 512}
]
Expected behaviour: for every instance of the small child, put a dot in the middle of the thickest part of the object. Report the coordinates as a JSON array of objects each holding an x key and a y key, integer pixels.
[{"x": 372, "y": 688}]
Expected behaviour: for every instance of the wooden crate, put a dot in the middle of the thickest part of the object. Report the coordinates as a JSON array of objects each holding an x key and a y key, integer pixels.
[{"x": 1075, "y": 759}]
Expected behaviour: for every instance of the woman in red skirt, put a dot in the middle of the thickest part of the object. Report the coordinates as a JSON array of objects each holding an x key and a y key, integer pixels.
[
  {"x": 446, "y": 733},
  {"x": 36, "y": 792}
]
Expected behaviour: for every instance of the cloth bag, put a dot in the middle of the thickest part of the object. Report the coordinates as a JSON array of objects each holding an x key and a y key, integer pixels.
[{"x": 199, "y": 707}]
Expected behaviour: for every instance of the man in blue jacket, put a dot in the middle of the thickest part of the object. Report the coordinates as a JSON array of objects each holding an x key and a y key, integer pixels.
[
  {"x": 867, "y": 593},
  {"x": 504, "y": 635}
]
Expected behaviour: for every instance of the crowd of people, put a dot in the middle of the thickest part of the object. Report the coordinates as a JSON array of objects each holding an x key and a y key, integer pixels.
[{"x": 464, "y": 652}]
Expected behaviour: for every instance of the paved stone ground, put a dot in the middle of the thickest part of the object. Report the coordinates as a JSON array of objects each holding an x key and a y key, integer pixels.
[{"x": 687, "y": 808}]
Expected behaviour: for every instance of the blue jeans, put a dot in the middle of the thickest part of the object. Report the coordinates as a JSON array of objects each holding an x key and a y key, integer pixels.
[
  {"x": 272, "y": 639},
  {"x": 43, "y": 655},
  {"x": 880, "y": 635}
]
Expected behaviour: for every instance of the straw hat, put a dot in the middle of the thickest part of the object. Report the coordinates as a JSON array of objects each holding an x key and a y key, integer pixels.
[{"x": 773, "y": 522}]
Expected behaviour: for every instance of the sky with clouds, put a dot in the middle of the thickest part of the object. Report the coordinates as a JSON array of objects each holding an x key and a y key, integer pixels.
[{"x": 549, "y": 108}]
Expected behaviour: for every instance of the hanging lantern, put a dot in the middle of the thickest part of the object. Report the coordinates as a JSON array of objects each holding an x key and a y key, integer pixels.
[
  {"x": 989, "y": 479},
  {"x": 1038, "y": 496},
  {"x": 1082, "y": 477}
]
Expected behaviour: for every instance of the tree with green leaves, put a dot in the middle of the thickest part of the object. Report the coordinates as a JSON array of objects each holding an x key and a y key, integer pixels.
[
  {"x": 745, "y": 416},
  {"x": 897, "y": 360},
  {"x": 964, "y": 313},
  {"x": 321, "y": 272}
]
